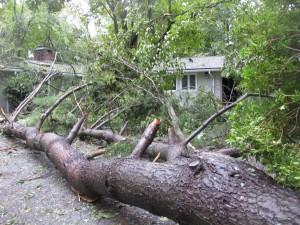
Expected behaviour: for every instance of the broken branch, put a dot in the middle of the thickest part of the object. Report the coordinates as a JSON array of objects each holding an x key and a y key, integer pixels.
[
  {"x": 75, "y": 129},
  {"x": 108, "y": 136},
  {"x": 210, "y": 119},
  {"x": 3, "y": 114},
  {"x": 146, "y": 139},
  {"x": 95, "y": 153}
]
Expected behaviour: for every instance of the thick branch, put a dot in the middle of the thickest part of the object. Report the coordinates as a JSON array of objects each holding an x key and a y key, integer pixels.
[
  {"x": 146, "y": 139},
  {"x": 210, "y": 119},
  {"x": 174, "y": 122},
  {"x": 171, "y": 135},
  {"x": 233, "y": 152},
  {"x": 73, "y": 133},
  {"x": 108, "y": 136},
  {"x": 58, "y": 101}
]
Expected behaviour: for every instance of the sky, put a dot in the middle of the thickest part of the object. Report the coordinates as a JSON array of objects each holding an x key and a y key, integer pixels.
[{"x": 84, "y": 8}]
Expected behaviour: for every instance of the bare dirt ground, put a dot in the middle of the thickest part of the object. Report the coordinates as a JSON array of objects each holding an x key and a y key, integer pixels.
[{"x": 32, "y": 191}]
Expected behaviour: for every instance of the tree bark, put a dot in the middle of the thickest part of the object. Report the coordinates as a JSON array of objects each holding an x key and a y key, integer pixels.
[
  {"x": 106, "y": 135},
  {"x": 209, "y": 189}
]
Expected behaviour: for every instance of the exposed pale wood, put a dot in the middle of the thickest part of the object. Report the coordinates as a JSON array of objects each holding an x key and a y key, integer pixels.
[{"x": 146, "y": 139}]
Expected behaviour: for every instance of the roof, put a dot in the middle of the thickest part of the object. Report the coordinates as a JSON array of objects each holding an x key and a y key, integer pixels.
[
  {"x": 213, "y": 63},
  {"x": 63, "y": 68}
]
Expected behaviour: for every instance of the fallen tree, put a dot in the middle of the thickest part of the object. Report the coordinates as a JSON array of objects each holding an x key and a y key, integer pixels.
[{"x": 208, "y": 189}]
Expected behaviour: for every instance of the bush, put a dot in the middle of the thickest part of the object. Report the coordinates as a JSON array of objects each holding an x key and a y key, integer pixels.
[
  {"x": 255, "y": 134},
  {"x": 193, "y": 111},
  {"x": 18, "y": 87}
]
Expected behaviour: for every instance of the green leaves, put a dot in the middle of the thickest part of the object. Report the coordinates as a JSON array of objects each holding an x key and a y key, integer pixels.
[{"x": 261, "y": 128}]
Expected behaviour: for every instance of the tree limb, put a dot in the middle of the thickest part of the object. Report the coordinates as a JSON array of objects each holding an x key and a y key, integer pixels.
[
  {"x": 233, "y": 152},
  {"x": 73, "y": 133},
  {"x": 210, "y": 119},
  {"x": 108, "y": 136},
  {"x": 174, "y": 121},
  {"x": 146, "y": 139},
  {"x": 3, "y": 114}
]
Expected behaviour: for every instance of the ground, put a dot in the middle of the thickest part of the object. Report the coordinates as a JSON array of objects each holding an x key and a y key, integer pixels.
[{"x": 32, "y": 191}]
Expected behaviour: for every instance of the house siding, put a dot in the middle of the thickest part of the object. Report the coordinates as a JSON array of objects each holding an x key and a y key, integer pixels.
[{"x": 210, "y": 82}]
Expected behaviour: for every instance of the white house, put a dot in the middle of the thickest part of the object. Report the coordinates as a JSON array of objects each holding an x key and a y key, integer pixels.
[{"x": 200, "y": 72}]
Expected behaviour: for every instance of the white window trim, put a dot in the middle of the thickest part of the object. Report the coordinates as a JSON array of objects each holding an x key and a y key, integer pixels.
[{"x": 189, "y": 82}]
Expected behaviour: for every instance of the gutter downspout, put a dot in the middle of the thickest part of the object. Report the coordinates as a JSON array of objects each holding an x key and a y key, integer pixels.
[{"x": 213, "y": 81}]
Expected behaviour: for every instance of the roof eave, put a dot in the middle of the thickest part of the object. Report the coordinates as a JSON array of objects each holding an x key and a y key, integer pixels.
[{"x": 197, "y": 70}]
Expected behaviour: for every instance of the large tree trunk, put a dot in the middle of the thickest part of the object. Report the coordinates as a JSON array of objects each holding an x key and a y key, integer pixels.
[{"x": 209, "y": 189}]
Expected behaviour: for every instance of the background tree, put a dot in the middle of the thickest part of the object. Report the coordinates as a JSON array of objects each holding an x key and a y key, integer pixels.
[{"x": 266, "y": 52}]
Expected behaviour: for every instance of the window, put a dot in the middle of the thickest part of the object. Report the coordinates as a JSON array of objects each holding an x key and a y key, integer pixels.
[{"x": 189, "y": 82}]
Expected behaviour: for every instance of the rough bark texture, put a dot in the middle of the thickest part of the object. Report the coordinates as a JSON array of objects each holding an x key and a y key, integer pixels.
[
  {"x": 210, "y": 189},
  {"x": 106, "y": 135},
  {"x": 146, "y": 139}
]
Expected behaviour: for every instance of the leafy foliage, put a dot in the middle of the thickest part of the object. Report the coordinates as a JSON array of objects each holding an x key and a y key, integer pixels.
[
  {"x": 18, "y": 87},
  {"x": 120, "y": 149},
  {"x": 265, "y": 53},
  {"x": 257, "y": 136},
  {"x": 60, "y": 121}
]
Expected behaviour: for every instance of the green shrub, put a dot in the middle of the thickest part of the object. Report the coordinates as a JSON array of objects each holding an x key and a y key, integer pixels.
[
  {"x": 18, "y": 87},
  {"x": 263, "y": 138}
]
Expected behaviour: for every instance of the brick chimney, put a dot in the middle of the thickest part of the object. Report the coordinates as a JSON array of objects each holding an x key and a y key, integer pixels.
[{"x": 43, "y": 53}]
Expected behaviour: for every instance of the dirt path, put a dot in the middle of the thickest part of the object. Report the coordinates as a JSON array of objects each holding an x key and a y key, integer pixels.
[{"x": 32, "y": 191}]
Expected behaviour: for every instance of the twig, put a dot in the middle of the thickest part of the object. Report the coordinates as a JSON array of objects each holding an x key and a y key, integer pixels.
[
  {"x": 114, "y": 116},
  {"x": 8, "y": 148},
  {"x": 156, "y": 158},
  {"x": 58, "y": 101}
]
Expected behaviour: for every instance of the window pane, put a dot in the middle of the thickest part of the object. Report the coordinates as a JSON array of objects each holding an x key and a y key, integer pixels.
[
  {"x": 192, "y": 81},
  {"x": 185, "y": 82}
]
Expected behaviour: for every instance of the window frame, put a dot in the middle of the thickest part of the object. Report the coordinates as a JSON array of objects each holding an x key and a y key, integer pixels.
[{"x": 188, "y": 83}]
